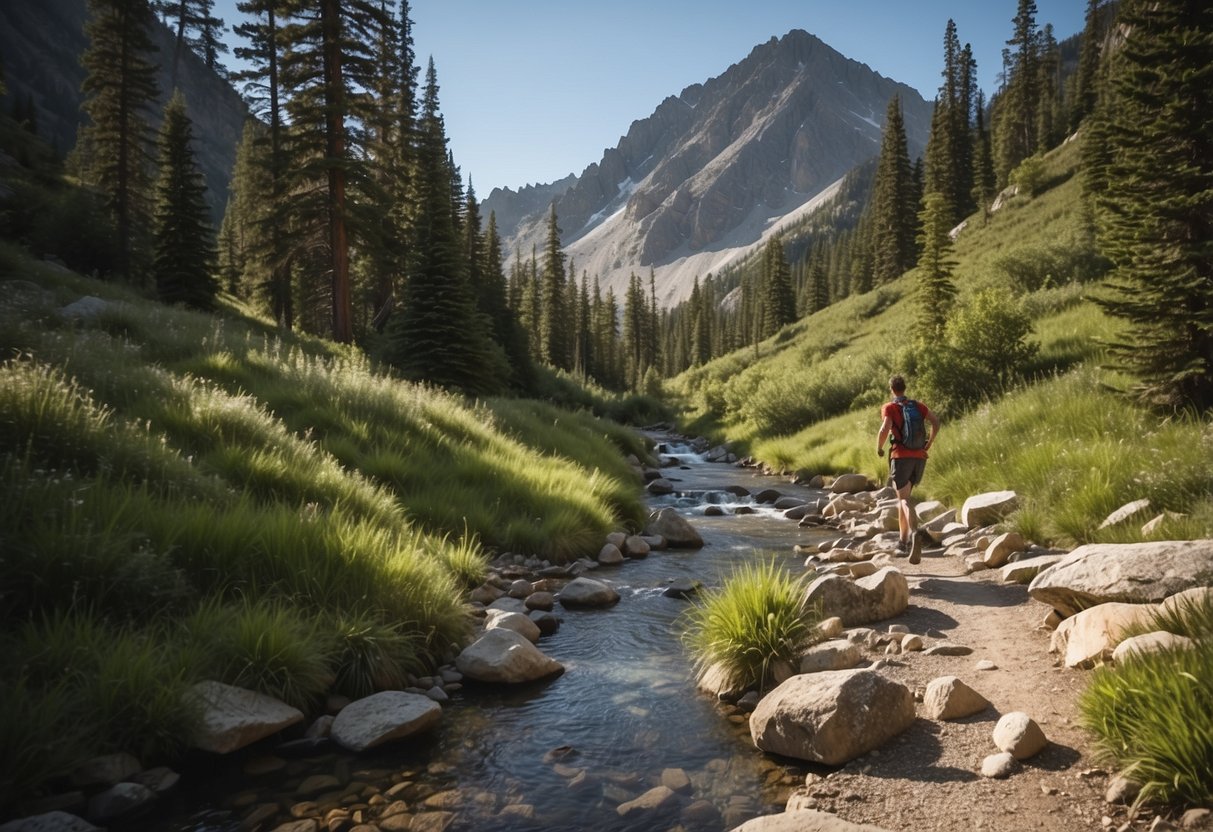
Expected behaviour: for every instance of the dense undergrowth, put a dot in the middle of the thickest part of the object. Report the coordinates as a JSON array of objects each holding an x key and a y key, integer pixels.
[
  {"x": 186, "y": 496},
  {"x": 1041, "y": 415}
]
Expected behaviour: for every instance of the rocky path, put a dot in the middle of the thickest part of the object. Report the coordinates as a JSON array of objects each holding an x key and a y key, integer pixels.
[{"x": 929, "y": 777}]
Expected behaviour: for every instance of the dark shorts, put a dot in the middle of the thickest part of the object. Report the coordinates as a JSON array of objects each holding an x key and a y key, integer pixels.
[{"x": 906, "y": 470}]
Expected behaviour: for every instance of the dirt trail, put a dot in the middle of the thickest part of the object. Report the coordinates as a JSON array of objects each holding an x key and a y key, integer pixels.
[{"x": 929, "y": 777}]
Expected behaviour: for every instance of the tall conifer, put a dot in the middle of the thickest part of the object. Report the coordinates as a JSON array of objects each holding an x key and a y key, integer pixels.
[
  {"x": 119, "y": 86},
  {"x": 184, "y": 257},
  {"x": 1156, "y": 200},
  {"x": 892, "y": 206}
]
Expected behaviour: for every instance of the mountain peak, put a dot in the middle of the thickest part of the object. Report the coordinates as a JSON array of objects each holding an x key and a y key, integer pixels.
[{"x": 711, "y": 169}]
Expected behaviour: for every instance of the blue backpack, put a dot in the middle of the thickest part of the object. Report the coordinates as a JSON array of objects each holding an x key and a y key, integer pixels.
[{"x": 913, "y": 426}]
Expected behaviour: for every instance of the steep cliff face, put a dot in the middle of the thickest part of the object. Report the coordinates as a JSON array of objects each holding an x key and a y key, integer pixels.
[
  {"x": 721, "y": 164},
  {"x": 41, "y": 42}
]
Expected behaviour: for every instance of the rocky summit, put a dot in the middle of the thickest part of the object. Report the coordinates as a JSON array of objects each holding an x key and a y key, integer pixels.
[{"x": 714, "y": 167}]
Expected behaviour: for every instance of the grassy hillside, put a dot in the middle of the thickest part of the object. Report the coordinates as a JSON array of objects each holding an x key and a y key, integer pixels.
[
  {"x": 185, "y": 496},
  {"x": 1058, "y": 430}
]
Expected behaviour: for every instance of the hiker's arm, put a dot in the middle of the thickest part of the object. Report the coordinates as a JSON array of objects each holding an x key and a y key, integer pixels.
[
  {"x": 885, "y": 427},
  {"x": 934, "y": 420}
]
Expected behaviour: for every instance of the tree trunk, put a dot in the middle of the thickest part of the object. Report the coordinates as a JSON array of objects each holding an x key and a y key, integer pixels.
[{"x": 335, "y": 151}]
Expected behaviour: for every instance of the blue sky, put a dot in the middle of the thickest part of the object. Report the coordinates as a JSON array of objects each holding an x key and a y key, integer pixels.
[{"x": 533, "y": 90}]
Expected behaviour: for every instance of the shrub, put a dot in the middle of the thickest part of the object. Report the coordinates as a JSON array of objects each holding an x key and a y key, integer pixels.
[
  {"x": 372, "y": 654},
  {"x": 754, "y": 622},
  {"x": 1151, "y": 716}
]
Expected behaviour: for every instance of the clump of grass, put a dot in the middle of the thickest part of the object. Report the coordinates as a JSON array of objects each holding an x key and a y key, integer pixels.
[
  {"x": 754, "y": 622},
  {"x": 266, "y": 646},
  {"x": 1151, "y": 716},
  {"x": 373, "y": 655},
  {"x": 41, "y": 737}
]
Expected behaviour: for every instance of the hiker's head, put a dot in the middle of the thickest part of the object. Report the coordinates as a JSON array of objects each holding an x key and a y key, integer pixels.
[{"x": 897, "y": 385}]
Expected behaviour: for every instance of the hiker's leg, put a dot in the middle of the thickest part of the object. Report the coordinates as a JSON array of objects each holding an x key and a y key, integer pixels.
[{"x": 905, "y": 515}]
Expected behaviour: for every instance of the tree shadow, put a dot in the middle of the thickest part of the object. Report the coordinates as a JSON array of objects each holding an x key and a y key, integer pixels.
[{"x": 974, "y": 593}]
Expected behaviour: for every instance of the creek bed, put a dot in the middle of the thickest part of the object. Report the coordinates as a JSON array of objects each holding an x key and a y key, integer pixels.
[{"x": 625, "y": 710}]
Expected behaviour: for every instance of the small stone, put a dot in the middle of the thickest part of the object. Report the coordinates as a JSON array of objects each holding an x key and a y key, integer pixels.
[
  {"x": 985, "y": 664},
  {"x": 1018, "y": 733},
  {"x": 998, "y": 766},
  {"x": 912, "y": 643},
  {"x": 1121, "y": 790},
  {"x": 316, "y": 784}
]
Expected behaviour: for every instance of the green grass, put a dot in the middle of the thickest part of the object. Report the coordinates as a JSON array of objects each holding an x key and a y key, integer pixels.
[
  {"x": 186, "y": 496},
  {"x": 1150, "y": 716},
  {"x": 755, "y": 621},
  {"x": 1060, "y": 433}
]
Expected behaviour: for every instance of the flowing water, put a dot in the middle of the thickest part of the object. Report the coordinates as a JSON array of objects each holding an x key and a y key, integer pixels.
[{"x": 625, "y": 709}]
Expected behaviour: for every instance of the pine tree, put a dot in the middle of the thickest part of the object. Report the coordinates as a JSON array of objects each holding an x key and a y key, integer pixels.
[
  {"x": 935, "y": 291},
  {"x": 553, "y": 321},
  {"x": 985, "y": 182},
  {"x": 1156, "y": 203},
  {"x": 437, "y": 335},
  {"x": 270, "y": 245},
  {"x": 118, "y": 88},
  {"x": 1016, "y": 125},
  {"x": 891, "y": 206},
  {"x": 195, "y": 28},
  {"x": 1049, "y": 119},
  {"x": 1085, "y": 92},
  {"x": 184, "y": 257},
  {"x": 778, "y": 304}
]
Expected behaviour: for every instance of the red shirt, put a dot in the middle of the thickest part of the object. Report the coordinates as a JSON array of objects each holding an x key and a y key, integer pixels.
[{"x": 892, "y": 411}]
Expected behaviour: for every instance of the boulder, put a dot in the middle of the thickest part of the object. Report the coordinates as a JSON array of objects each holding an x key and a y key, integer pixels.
[
  {"x": 850, "y": 483},
  {"x": 86, "y": 309},
  {"x": 1019, "y": 735},
  {"x": 831, "y": 717},
  {"x": 660, "y": 486},
  {"x": 504, "y": 656},
  {"x": 1023, "y": 571},
  {"x": 383, "y": 717},
  {"x": 586, "y": 592},
  {"x": 118, "y": 800},
  {"x": 232, "y": 717},
  {"x": 1125, "y": 512},
  {"x": 767, "y": 496},
  {"x": 1188, "y": 603},
  {"x": 804, "y": 820},
  {"x": 949, "y": 698},
  {"x": 516, "y": 621},
  {"x": 1134, "y": 573},
  {"x": 785, "y": 503},
  {"x": 987, "y": 509},
  {"x": 636, "y": 546},
  {"x": 678, "y": 533},
  {"x": 610, "y": 555},
  {"x": 1002, "y": 547},
  {"x": 49, "y": 822},
  {"x": 714, "y": 680},
  {"x": 928, "y": 510},
  {"x": 876, "y": 597},
  {"x": 541, "y": 600},
  {"x": 658, "y": 799},
  {"x": 1148, "y": 644},
  {"x": 1092, "y": 635},
  {"x": 836, "y": 654}
]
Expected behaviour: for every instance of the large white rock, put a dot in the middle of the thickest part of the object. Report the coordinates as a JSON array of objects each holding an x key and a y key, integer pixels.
[
  {"x": 1002, "y": 547},
  {"x": 1019, "y": 735},
  {"x": 987, "y": 509},
  {"x": 516, "y": 621},
  {"x": 1135, "y": 573},
  {"x": 1022, "y": 571},
  {"x": 234, "y": 717},
  {"x": 383, "y": 717},
  {"x": 676, "y": 529},
  {"x": 835, "y": 654},
  {"x": 504, "y": 656},
  {"x": 949, "y": 698},
  {"x": 587, "y": 592},
  {"x": 1092, "y": 635},
  {"x": 831, "y": 717},
  {"x": 876, "y": 597},
  {"x": 1125, "y": 512},
  {"x": 1148, "y": 644},
  {"x": 805, "y": 820}
]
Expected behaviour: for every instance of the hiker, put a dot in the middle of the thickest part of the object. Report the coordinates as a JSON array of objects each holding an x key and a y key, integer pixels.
[{"x": 907, "y": 458}]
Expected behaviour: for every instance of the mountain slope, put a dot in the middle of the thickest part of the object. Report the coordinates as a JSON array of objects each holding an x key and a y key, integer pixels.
[
  {"x": 722, "y": 163},
  {"x": 41, "y": 44}
]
